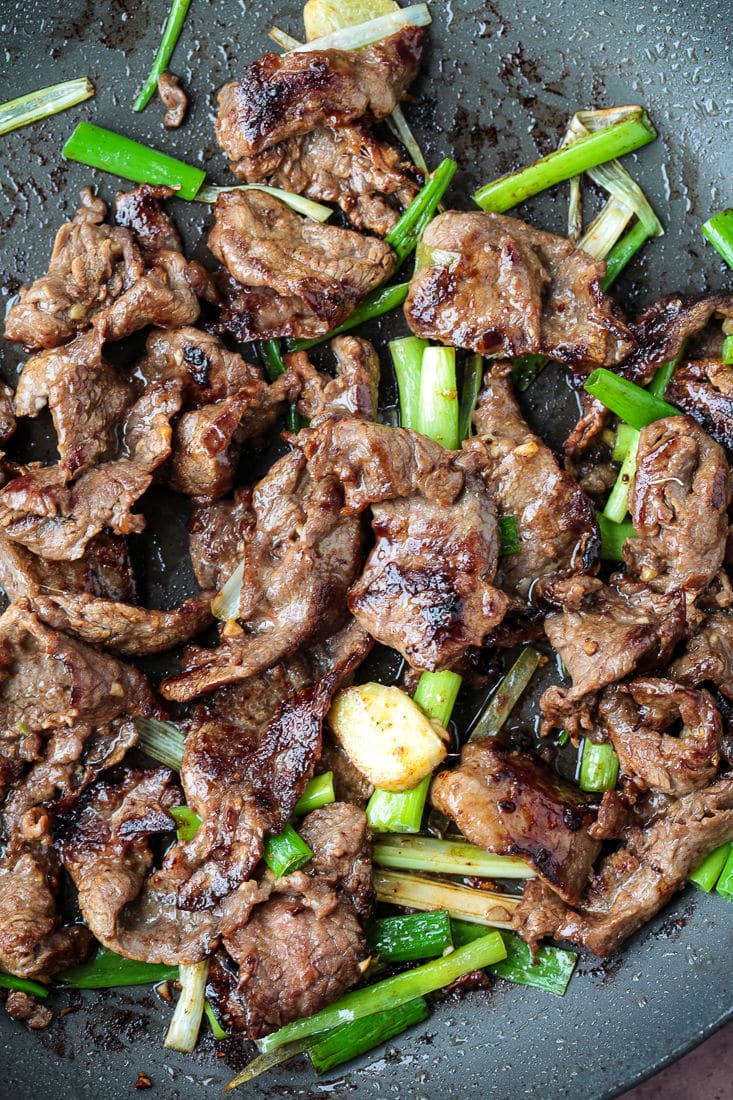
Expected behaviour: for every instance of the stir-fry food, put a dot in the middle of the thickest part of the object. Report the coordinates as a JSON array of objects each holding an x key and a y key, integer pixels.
[{"x": 310, "y": 853}]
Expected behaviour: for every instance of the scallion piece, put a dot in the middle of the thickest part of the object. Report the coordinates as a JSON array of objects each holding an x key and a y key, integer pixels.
[
  {"x": 613, "y": 537},
  {"x": 45, "y": 102},
  {"x": 398, "y": 811},
  {"x": 626, "y": 438},
  {"x": 436, "y": 694},
  {"x": 380, "y": 301},
  {"x": 446, "y": 857},
  {"x": 286, "y": 852},
  {"x": 627, "y": 400},
  {"x": 604, "y": 231},
  {"x": 216, "y": 1029},
  {"x": 617, "y": 504},
  {"x": 438, "y": 412},
  {"x": 358, "y": 35},
  {"x": 550, "y": 969},
  {"x": 407, "y": 356},
  {"x": 508, "y": 535},
  {"x": 310, "y": 209},
  {"x": 410, "y": 938},
  {"x": 161, "y": 740},
  {"x": 662, "y": 377},
  {"x": 473, "y": 374},
  {"x": 623, "y": 251},
  {"x": 263, "y": 1063},
  {"x": 727, "y": 352},
  {"x": 352, "y": 1040},
  {"x": 99, "y": 148},
  {"x": 272, "y": 360},
  {"x": 319, "y": 792},
  {"x": 171, "y": 34},
  {"x": 587, "y": 152},
  {"x": 22, "y": 985},
  {"x": 392, "y": 992},
  {"x": 725, "y": 883},
  {"x": 110, "y": 971},
  {"x": 187, "y": 822},
  {"x": 403, "y": 238},
  {"x": 525, "y": 368},
  {"x": 707, "y": 874},
  {"x": 225, "y": 605},
  {"x": 599, "y": 766},
  {"x": 399, "y": 126},
  {"x": 423, "y": 892},
  {"x": 189, "y": 1011},
  {"x": 719, "y": 231},
  {"x": 507, "y": 694},
  {"x": 563, "y": 737}
]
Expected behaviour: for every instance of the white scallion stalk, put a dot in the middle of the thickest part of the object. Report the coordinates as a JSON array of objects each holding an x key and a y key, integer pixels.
[
  {"x": 366, "y": 34},
  {"x": 399, "y": 127},
  {"x": 46, "y": 101},
  {"x": 282, "y": 39},
  {"x": 507, "y": 694},
  {"x": 186, "y": 1023},
  {"x": 315, "y": 210},
  {"x": 607, "y": 228},
  {"x": 263, "y": 1063},
  {"x": 446, "y": 857},
  {"x": 161, "y": 740},
  {"x": 463, "y": 903},
  {"x": 225, "y": 605}
]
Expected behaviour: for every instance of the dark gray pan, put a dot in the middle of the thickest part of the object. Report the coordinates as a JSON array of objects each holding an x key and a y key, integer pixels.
[{"x": 499, "y": 82}]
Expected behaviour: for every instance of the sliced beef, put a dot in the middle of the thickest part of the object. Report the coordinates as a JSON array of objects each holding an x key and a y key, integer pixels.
[
  {"x": 500, "y": 287},
  {"x": 174, "y": 100},
  {"x": 708, "y": 657},
  {"x": 638, "y": 717},
  {"x": 299, "y": 277},
  {"x": 104, "y": 571},
  {"x": 86, "y": 396},
  {"x": 556, "y": 523},
  {"x": 24, "y": 1006},
  {"x": 426, "y": 587},
  {"x": 637, "y": 880},
  {"x": 7, "y": 413},
  {"x": 353, "y": 392},
  {"x": 217, "y": 537},
  {"x": 301, "y": 556},
  {"x": 511, "y": 803},
  {"x": 672, "y": 324},
  {"x": 703, "y": 388},
  {"x": 98, "y": 276},
  {"x": 283, "y": 95},
  {"x": 142, "y": 212},
  {"x": 123, "y": 628},
  {"x": 349, "y": 784},
  {"x": 606, "y": 631},
  {"x": 206, "y": 448},
  {"x": 679, "y": 507},
  {"x": 368, "y": 178}
]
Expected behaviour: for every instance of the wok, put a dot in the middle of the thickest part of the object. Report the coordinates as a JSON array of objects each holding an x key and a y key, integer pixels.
[{"x": 498, "y": 85}]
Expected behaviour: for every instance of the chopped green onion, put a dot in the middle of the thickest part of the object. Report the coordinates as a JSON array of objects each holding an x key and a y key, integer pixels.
[
  {"x": 473, "y": 374},
  {"x": 284, "y": 40},
  {"x": 726, "y": 354},
  {"x": 507, "y": 694},
  {"x": 271, "y": 356},
  {"x": 725, "y": 882},
  {"x": 438, "y": 413},
  {"x": 188, "y": 823},
  {"x": 403, "y": 238},
  {"x": 407, "y": 356},
  {"x": 627, "y": 400},
  {"x": 314, "y": 210},
  {"x": 508, "y": 535},
  {"x": 409, "y": 938},
  {"x": 399, "y": 126},
  {"x": 186, "y": 1023},
  {"x": 550, "y": 968},
  {"x": 422, "y": 892},
  {"x": 599, "y": 766},
  {"x": 99, "y": 148},
  {"x": 22, "y": 985},
  {"x": 286, "y": 852},
  {"x": 617, "y": 504},
  {"x": 563, "y": 737},
  {"x": 379, "y": 301},
  {"x": 626, "y": 438},
  {"x": 525, "y": 368},
  {"x": 719, "y": 231},
  {"x": 398, "y": 811},
  {"x": 216, "y": 1029},
  {"x": 171, "y": 34},
  {"x": 45, "y": 102},
  {"x": 436, "y": 694},
  {"x": 613, "y": 537},
  {"x": 662, "y": 377},
  {"x": 587, "y": 152},
  {"x": 623, "y": 251},
  {"x": 356, "y": 1038},
  {"x": 161, "y": 740},
  {"x": 358, "y": 35},
  {"x": 708, "y": 872},
  {"x": 110, "y": 971},
  {"x": 392, "y": 992},
  {"x": 263, "y": 1063},
  {"x": 447, "y": 857},
  {"x": 226, "y": 603},
  {"x": 319, "y": 792},
  {"x": 605, "y": 230}
]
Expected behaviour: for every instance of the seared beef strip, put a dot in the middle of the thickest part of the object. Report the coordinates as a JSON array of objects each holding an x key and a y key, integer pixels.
[
  {"x": 678, "y": 502},
  {"x": 672, "y": 324},
  {"x": 500, "y": 287},
  {"x": 104, "y": 571},
  {"x": 7, "y": 413},
  {"x": 299, "y": 277},
  {"x": 368, "y": 178},
  {"x": 636, "y": 716},
  {"x": 556, "y": 523},
  {"x": 426, "y": 587},
  {"x": 703, "y": 388},
  {"x": 174, "y": 99},
  {"x": 24, "y": 1006},
  {"x": 86, "y": 395},
  {"x": 353, "y": 392},
  {"x": 604, "y": 632},
  {"x": 282, "y": 95},
  {"x": 142, "y": 211},
  {"x": 217, "y": 538},
  {"x": 511, "y": 803},
  {"x": 98, "y": 276},
  {"x": 708, "y": 656},
  {"x": 634, "y": 882}
]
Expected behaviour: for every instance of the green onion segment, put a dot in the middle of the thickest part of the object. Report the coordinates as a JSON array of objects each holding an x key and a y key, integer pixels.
[
  {"x": 507, "y": 694},
  {"x": 599, "y": 767},
  {"x": 286, "y": 852},
  {"x": 632, "y": 403},
  {"x": 171, "y": 34},
  {"x": 719, "y": 231},
  {"x": 45, "y": 102}
]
